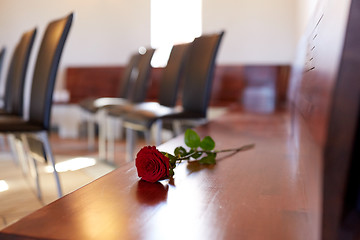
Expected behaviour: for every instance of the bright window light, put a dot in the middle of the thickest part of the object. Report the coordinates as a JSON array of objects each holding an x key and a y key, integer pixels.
[
  {"x": 3, "y": 186},
  {"x": 173, "y": 22},
  {"x": 72, "y": 164}
]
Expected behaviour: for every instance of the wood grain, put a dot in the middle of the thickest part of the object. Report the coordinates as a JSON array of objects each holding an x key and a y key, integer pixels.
[{"x": 254, "y": 194}]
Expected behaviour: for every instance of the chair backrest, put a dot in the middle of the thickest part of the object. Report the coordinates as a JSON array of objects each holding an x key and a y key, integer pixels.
[
  {"x": 130, "y": 74},
  {"x": 199, "y": 73},
  {"x": 15, "y": 81},
  {"x": 2, "y": 56},
  {"x": 138, "y": 91},
  {"x": 172, "y": 74},
  {"x": 45, "y": 70}
]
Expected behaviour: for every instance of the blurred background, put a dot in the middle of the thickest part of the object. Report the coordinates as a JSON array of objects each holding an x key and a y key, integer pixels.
[
  {"x": 253, "y": 65},
  {"x": 105, "y": 33}
]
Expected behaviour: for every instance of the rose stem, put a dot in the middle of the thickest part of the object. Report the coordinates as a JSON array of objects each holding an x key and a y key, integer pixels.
[{"x": 243, "y": 148}]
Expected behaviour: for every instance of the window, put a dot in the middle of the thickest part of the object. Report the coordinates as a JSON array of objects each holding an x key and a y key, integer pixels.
[{"x": 173, "y": 22}]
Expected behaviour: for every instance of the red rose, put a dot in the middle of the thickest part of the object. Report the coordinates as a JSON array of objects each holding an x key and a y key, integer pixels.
[{"x": 151, "y": 164}]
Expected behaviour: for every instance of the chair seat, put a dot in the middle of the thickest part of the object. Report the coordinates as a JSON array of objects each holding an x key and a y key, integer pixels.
[
  {"x": 88, "y": 105},
  {"x": 111, "y": 102},
  {"x": 147, "y": 113},
  {"x": 94, "y": 104},
  {"x": 117, "y": 107},
  {"x": 12, "y": 123}
]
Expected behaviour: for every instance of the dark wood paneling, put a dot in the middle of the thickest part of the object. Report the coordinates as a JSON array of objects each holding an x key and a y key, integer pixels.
[
  {"x": 341, "y": 209},
  {"x": 228, "y": 86},
  {"x": 326, "y": 115},
  {"x": 229, "y": 83},
  {"x": 84, "y": 82}
]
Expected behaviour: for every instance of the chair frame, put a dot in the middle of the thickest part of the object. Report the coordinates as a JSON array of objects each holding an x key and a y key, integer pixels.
[
  {"x": 89, "y": 105},
  {"x": 135, "y": 94},
  {"x": 195, "y": 99},
  {"x": 42, "y": 88},
  {"x": 170, "y": 82}
]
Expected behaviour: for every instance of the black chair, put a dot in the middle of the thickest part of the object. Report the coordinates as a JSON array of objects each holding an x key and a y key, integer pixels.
[
  {"x": 127, "y": 79},
  {"x": 169, "y": 84},
  {"x": 168, "y": 91},
  {"x": 133, "y": 92},
  {"x": 2, "y": 104},
  {"x": 195, "y": 94},
  {"x": 43, "y": 82},
  {"x": 15, "y": 81},
  {"x": 14, "y": 85},
  {"x": 2, "y": 56},
  {"x": 91, "y": 105}
]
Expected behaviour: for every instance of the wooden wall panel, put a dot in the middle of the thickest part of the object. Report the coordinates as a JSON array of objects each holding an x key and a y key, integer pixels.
[
  {"x": 228, "y": 86},
  {"x": 326, "y": 103},
  {"x": 83, "y": 82}
]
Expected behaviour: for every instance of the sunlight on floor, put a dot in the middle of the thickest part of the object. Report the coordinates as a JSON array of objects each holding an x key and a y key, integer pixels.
[
  {"x": 3, "y": 186},
  {"x": 72, "y": 164}
]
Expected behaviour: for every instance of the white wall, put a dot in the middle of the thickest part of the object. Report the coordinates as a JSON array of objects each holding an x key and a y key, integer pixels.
[
  {"x": 105, "y": 32},
  {"x": 257, "y": 31},
  {"x": 305, "y": 9}
]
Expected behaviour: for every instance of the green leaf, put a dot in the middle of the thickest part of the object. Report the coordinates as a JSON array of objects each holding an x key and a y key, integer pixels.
[
  {"x": 209, "y": 159},
  {"x": 171, "y": 157},
  {"x": 180, "y": 151},
  {"x": 207, "y": 143},
  {"x": 168, "y": 155},
  {"x": 211, "y": 154},
  {"x": 196, "y": 155},
  {"x": 171, "y": 172},
  {"x": 192, "y": 139}
]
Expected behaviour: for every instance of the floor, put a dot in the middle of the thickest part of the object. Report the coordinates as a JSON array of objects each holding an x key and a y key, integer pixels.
[
  {"x": 20, "y": 198},
  {"x": 18, "y": 195}
]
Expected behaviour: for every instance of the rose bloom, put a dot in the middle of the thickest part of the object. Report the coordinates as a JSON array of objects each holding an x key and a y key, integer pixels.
[{"x": 151, "y": 164}]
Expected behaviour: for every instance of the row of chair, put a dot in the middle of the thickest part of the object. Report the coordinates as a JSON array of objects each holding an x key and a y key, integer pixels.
[
  {"x": 28, "y": 132},
  {"x": 198, "y": 76},
  {"x": 193, "y": 63},
  {"x": 133, "y": 89}
]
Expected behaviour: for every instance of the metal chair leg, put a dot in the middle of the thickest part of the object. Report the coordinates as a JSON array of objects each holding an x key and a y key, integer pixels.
[
  {"x": 33, "y": 168},
  {"x": 21, "y": 155},
  {"x": 102, "y": 136},
  {"x": 147, "y": 136},
  {"x": 44, "y": 138},
  {"x": 158, "y": 131},
  {"x": 130, "y": 144},
  {"x": 91, "y": 133},
  {"x": 37, "y": 180},
  {"x": 12, "y": 145},
  {"x": 177, "y": 127},
  {"x": 120, "y": 128},
  {"x": 2, "y": 143},
  {"x": 110, "y": 135}
]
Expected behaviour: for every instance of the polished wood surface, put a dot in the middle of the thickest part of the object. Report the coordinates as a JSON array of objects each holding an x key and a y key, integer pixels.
[
  {"x": 256, "y": 194},
  {"x": 292, "y": 185}
]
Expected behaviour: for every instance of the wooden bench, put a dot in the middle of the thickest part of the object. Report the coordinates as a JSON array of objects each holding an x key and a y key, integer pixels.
[{"x": 300, "y": 182}]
